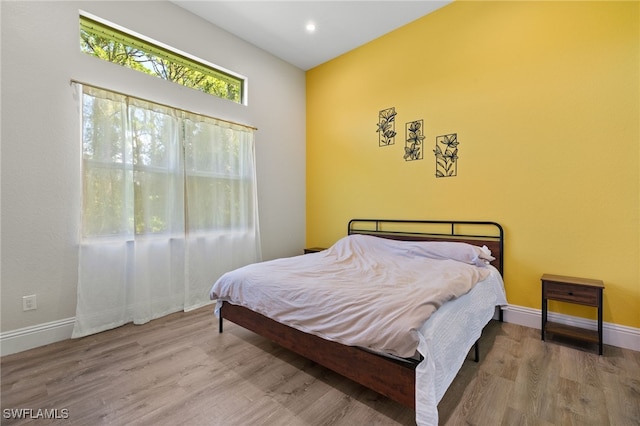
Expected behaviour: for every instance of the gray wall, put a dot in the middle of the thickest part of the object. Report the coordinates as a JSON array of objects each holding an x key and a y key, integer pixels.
[{"x": 41, "y": 149}]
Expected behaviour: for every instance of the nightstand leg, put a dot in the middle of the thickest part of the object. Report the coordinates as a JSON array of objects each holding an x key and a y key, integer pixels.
[
  {"x": 600, "y": 327},
  {"x": 544, "y": 317}
]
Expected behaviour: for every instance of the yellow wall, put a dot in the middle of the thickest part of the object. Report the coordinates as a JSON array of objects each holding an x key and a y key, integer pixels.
[{"x": 544, "y": 97}]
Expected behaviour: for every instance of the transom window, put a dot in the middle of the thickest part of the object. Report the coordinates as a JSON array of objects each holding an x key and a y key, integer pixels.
[{"x": 115, "y": 45}]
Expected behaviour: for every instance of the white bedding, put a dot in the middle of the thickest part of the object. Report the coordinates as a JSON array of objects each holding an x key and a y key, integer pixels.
[
  {"x": 447, "y": 337},
  {"x": 363, "y": 291},
  {"x": 384, "y": 295}
]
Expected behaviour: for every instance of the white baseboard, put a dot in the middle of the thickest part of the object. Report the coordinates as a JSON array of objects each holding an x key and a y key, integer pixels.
[
  {"x": 612, "y": 334},
  {"x": 615, "y": 335},
  {"x": 22, "y": 339}
]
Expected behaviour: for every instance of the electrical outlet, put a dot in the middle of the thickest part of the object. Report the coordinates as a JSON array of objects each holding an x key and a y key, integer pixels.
[{"x": 29, "y": 303}]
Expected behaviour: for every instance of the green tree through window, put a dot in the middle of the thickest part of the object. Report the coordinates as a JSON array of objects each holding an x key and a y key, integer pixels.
[{"x": 112, "y": 45}]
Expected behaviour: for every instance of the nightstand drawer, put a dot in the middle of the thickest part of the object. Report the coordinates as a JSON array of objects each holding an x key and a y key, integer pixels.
[{"x": 572, "y": 293}]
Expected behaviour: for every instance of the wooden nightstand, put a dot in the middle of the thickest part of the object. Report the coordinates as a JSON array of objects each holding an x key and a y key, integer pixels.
[
  {"x": 583, "y": 291},
  {"x": 313, "y": 250}
]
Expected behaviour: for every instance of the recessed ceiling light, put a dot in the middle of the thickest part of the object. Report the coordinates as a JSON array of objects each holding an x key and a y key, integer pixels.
[{"x": 310, "y": 27}]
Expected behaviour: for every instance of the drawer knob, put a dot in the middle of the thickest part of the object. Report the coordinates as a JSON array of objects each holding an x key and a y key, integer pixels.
[{"x": 570, "y": 293}]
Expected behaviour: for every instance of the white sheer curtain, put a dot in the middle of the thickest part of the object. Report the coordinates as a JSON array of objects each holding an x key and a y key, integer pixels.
[{"x": 169, "y": 205}]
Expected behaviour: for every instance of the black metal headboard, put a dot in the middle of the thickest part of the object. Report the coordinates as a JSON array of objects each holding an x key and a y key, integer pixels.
[{"x": 490, "y": 234}]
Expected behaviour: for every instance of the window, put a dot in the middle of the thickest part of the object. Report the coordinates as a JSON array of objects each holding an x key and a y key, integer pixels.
[
  {"x": 114, "y": 45},
  {"x": 146, "y": 164},
  {"x": 219, "y": 177}
]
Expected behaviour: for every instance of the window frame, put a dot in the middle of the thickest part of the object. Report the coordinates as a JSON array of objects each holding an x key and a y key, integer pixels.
[{"x": 165, "y": 52}]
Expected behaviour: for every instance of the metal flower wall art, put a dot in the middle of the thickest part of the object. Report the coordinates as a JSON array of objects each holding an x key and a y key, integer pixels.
[
  {"x": 413, "y": 140},
  {"x": 446, "y": 149},
  {"x": 447, "y": 155},
  {"x": 387, "y": 127}
]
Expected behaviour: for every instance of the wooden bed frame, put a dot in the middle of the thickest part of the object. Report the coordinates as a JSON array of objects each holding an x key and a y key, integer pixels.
[{"x": 390, "y": 377}]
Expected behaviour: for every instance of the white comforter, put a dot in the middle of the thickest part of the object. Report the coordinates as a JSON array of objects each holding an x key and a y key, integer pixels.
[{"x": 364, "y": 291}]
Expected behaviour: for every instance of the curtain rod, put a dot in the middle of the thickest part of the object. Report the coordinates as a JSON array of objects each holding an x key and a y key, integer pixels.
[{"x": 164, "y": 105}]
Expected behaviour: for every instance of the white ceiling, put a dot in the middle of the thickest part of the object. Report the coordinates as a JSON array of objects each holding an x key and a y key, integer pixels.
[{"x": 279, "y": 26}]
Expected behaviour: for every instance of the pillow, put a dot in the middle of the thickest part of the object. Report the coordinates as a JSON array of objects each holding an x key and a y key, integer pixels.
[{"x": 462, "y": 252}]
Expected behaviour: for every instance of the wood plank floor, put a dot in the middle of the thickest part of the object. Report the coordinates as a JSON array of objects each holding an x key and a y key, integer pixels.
[{"x": 179, "y": 370}]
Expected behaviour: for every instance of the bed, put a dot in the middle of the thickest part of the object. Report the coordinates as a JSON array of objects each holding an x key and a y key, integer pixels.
[{"x": 412, "y": 364}]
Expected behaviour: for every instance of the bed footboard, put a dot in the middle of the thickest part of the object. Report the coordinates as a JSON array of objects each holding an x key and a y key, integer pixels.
[{"x": 392, "y": 378}]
